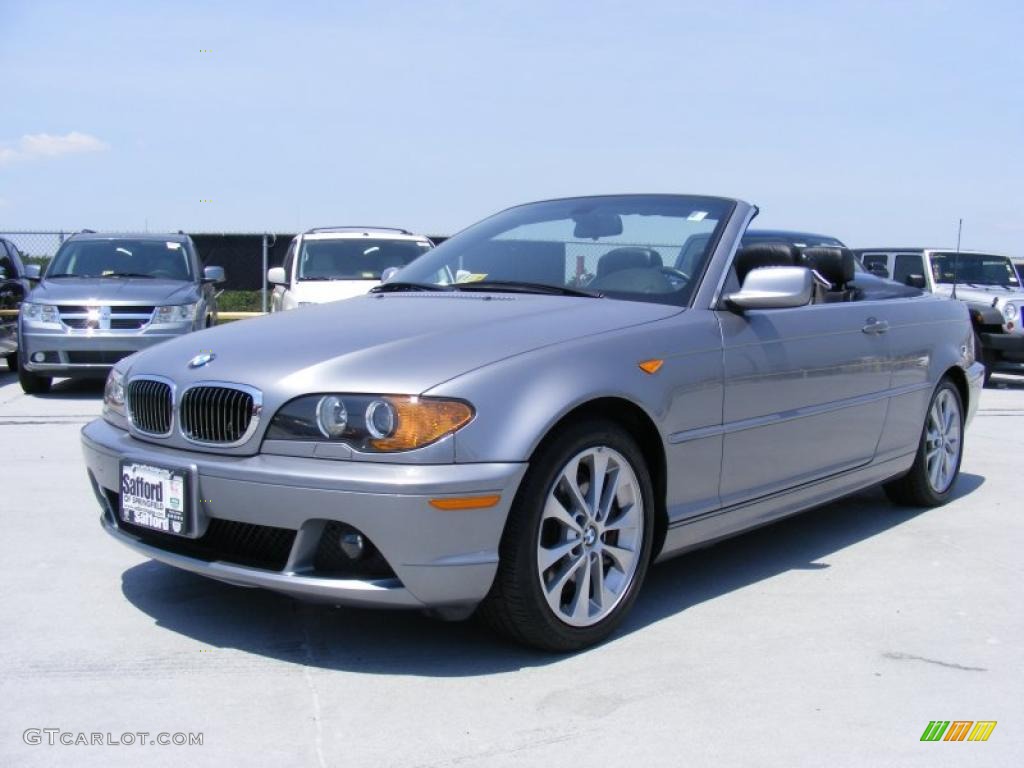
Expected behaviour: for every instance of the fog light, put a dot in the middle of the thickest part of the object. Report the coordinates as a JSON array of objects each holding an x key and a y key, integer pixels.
[
  {"x": 352, "y": 545},
  {"x": 38, "y": 357}
]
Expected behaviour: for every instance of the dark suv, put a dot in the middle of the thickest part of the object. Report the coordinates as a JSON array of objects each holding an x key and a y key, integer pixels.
[
  {"x": 13, "y": 287},
  {"x": 104, "y": 297}
]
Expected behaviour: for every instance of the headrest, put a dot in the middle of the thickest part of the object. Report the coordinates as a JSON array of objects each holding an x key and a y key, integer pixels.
[
  {"x": 834, "y": 264},
  {"x": 627, "y": 258},
  {"x": 764, "y": 255}
]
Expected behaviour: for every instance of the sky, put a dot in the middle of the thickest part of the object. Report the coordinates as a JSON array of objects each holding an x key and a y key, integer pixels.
[{"x": 880, "y": 123}]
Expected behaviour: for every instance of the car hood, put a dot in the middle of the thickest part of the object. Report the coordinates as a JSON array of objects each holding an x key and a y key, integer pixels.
[
  {"x": 387, "y": 343},
  {"x": 114, "y": 291},
  {"x": 320, "y": 291},
  {"x": 982, "y": 294}
]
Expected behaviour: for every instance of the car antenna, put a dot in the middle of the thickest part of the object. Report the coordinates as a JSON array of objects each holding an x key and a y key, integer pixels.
[{"x": 956, "y": 256}]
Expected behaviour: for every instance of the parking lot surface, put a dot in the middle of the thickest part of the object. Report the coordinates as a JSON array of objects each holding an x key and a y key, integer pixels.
[{"x": 832, "y": 638}]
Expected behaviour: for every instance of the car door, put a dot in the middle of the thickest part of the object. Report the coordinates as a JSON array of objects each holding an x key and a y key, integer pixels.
[{"x": 805, "y": 394}]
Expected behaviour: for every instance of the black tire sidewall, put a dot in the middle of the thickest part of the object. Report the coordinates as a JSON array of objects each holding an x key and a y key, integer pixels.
[{"x": 528, "y": 506}]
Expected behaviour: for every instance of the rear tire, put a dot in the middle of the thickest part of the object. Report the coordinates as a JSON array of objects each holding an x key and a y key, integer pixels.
[
  {"x": 931, "y": 479},
  {"x": 32, "y": 384},
  {"x": 560, "y": 537}
]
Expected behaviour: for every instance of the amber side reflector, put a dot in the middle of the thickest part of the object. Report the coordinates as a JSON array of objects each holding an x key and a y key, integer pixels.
[
  {"x": 651, "y": 366},
  {"x": 466, "y": 502}
]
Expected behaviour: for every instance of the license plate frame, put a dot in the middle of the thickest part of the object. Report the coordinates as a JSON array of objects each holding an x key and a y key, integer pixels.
[{"x": 159, "y": 497}]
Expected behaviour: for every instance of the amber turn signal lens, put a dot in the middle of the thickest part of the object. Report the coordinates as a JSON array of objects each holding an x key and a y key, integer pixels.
[
  {"x": 466, "y": 502},
  {"x": 422, "y": 421},
  {"x": 651, "y": 366}
]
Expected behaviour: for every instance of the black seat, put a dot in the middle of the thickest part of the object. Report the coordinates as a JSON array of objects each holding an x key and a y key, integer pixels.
[
  {"x": 764, "y": 255},
  {"x": 834, "y": 264},
  {"x": 628, "y": 258}
]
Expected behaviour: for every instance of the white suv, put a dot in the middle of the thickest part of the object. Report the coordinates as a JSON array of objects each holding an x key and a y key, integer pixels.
[{"x": 332, "y": 263}]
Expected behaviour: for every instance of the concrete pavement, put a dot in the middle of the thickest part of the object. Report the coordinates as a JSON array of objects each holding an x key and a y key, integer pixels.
[{"x": 829, "y": 639}]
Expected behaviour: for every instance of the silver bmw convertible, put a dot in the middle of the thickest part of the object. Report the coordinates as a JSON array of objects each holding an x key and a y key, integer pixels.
[{"x": 521, "y": 421}]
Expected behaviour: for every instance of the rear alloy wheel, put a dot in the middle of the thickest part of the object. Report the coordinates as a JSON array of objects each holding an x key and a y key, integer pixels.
[
  {"x": 577, "y": 544},
  {"x": 930, "y": 480}
]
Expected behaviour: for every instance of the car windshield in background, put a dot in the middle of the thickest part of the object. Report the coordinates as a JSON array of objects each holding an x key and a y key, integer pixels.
[
  {"x": 162, "y": 259},
  {"x": 637, "y": 247},
  {"x": 974, "y": 268},
  {"x": 355, "y": 258}
]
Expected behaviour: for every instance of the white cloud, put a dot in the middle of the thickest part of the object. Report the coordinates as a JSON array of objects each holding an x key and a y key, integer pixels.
[{"x": 33, "y": 145}]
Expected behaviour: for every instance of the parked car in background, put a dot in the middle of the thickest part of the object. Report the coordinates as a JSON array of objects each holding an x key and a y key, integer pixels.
[
  {"x": 104, "y": 297},
  {"x": 13, "y": 287},
  {"x": 332, "y": 263},
  {"x": 527, "y": 416},
  {"x": 988, "y": 283}
]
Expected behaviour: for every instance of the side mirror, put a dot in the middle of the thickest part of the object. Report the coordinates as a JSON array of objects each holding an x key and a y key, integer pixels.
[
  {"x": 276, "y": 276},
  {"x": 388, "y": 273},
  {"x": 213, "y": 274},
  {"x": 33, "y": 271},
  {"x": 774, "y": 288},
  {"x": 915, "y": 281},
  {"x": 878, "y": 270}
]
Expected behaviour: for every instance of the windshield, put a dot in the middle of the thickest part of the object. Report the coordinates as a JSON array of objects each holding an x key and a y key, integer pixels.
[
  {"x": 355, "y": 258},
  {"x": 975, "y": 268},
  {"x": 637, "y": 247},
  {"x": 122, "y": 258}
]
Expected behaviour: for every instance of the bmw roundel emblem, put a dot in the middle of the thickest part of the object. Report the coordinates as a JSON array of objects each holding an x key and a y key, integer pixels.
[{"x": 201, "y": 359}]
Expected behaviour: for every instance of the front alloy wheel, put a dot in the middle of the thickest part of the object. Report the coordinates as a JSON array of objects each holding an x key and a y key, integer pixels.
[
  {"x": 577, "y": 542},
  {"x": 588, "y": 547}
]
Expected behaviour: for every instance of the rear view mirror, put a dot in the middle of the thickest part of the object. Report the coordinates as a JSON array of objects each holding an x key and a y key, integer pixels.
[
  {"x": 388, "y": 273},
  {"x": 595, "y": 224},
  {"x": 275, "y": 276},
  {"x": 878, "y": 270},
  {"x": 33, "y": 271},
  {"x": 774, "y": 288},
  {"x": 214, "y": 274},
  {"x": 915, "y": 281}
]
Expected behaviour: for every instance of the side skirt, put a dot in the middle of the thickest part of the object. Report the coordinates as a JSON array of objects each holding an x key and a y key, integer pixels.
[{"x": 704, "y": 530}]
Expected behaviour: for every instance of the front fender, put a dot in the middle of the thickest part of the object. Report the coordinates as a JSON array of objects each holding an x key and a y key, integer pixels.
[{"x": 518, "y": 400}]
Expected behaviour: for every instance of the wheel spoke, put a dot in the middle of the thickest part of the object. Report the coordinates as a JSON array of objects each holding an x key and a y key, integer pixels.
[
  {"x": 555, "y": 587},
  {"x": 554, "y": 510},
  {"x": 601, "y": 595},
  {"x": 611, "y": 490},
  {"x": 621, "y": 557},
  {"x": 580, "y": 607},
  {"x": 547, "y": 557},
  {"x": 571, "y": 483}
]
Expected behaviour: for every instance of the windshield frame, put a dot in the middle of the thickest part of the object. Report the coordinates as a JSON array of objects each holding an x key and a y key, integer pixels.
[
  {"x": 58, "y": 265},
  {"x": 720, "y": 210}
]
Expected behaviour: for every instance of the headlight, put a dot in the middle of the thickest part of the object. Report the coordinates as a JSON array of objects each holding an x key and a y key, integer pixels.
[
  {"x": 175, "y": 313},
  {"x": 113, "y": 393},
  {"x": 1010, "y": 311},
  {"x": 40, "y": 314},
  {"x": 370, "y": 423}
]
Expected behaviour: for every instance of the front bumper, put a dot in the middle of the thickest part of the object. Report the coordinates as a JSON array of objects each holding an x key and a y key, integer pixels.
[
  {"x": 87, "y": 354},
  {"x": 1005, "y": 351},
  {"x": 440, "y": 559}
]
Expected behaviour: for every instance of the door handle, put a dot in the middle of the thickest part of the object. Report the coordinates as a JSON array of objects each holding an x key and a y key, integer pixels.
[{"x": 875, "y": 327}]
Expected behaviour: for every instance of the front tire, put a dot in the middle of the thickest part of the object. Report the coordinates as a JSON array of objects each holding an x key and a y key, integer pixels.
[
  {"x": 31, "y": 384},
  {"x": 12, "y": 361},
  {"x": 984, "y": 357},
  {"x": 930, "y": 481},
  {"x": 577, "y": 544}
]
